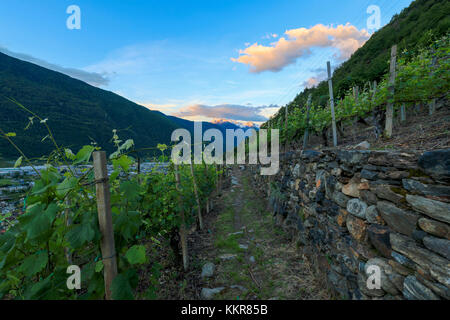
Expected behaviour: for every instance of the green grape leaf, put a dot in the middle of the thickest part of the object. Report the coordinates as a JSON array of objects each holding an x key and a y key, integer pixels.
[
  {"x": 124, "y": 162},
  {"x": 38, "y": 290},
  {"x": 80, "y": 234},
  {"x": 37, "y": 221},
  {"x": 127, "y": 224},
  {"x": 130, "y": 190},
  {"x": 121, "y": 288},
  {"x": 99, "y": 266},
  {"x": 18, "y": 162},
  {"x": 34, "y": 263},
  {"x": 69, "y": 154},
  {"x": 136, "y": 254},
  {"x": 127, "y": 145},
  {"x": 66, "y": 186},
  {"x": 84, "y": 154}
]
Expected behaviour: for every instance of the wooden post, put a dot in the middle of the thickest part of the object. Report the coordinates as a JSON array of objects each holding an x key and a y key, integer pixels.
[
  {"x": 197, "y": 198},
  {"x": 68, "y": 222},
  {"x": 138, "y": 165},
  {"x": 219, "y": 178},
  {"x": 374, "y": 90},
  {"x": 207, "y": 198},
  {"x": 105, "y": 221},
  {"x": 432, "y": 107},
  {"x": 402, "y": 113},
  {"x": 184, "y": 248},
  {"x": 333, "y": 118},
  {"x": 139, "y": 168},
  {"x": 356, "y": 93},
  {"x": 374, "y": 120},
  {"x": 286, "y": 128},
  {"x": 305, "y": 136},
  {"x": 390, "y": 105}
]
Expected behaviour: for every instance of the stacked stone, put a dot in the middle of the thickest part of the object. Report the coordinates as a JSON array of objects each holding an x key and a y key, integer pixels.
[{"x": 352, "y": 209}]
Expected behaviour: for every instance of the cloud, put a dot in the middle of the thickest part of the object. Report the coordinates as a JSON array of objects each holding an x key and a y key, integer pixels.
[
  {"x": 346, "y": 39},
  {"x": 270, "y": 36},
  {"x": 321, "y": 75},
  {"x": 311, "y": 82},
  {"x": 93, "y": 78},
  {"x": 315, "y": 80},
  {"x": 236, "y": 122},
  {"x": 226, "y": 111}
]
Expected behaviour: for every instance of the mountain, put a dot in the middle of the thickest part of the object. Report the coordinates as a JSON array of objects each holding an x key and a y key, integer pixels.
[
  {"x": 415, "y": 27},
  {"x": 77, "y": 113},
  {"x": 222, "y": 126}
]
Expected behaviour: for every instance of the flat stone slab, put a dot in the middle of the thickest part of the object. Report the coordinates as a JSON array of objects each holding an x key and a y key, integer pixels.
[
  {"x": 432, "y": 208},
  {"x": 208, "y": 270},
  {"x": 235, "y": 233},
  {"x": 208, "y": 294},
  {"x": 228, "y": 256}
]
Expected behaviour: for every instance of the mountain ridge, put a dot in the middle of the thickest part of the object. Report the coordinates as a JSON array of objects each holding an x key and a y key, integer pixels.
[{"x": 78, "y": 113}]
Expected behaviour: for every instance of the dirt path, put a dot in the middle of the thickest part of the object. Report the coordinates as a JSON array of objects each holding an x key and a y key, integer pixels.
[{"x": 253, "y": 258}]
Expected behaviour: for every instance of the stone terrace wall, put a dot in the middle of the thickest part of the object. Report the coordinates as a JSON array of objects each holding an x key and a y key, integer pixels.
[{"x": 352, "y": 209}]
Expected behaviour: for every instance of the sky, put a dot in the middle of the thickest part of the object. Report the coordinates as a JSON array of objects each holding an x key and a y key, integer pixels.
[{"x": 200, "y": 60}]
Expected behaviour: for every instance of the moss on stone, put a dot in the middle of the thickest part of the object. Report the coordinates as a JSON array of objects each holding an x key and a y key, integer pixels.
[{"x": 417, "y": 173}]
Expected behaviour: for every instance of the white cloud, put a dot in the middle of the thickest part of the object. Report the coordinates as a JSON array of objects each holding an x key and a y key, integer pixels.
[
  {"x": 226, "y": 111},
  {"x": 346, "y": 39}
]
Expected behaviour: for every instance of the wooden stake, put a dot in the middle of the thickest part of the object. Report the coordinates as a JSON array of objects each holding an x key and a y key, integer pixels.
[
  {"x": 305, "y": 136},
  {"x": 219, "y": 178},
  {"x": 356, "y": 93},
  {"x": 139, "y": 168},
  {"x": 432, "y": 107},
  {"x": 105, "y": 221},
  {"x": 390, "y": 105},
  {"x": 286, "y": 128},
  {"x": 207, "y": 198},
  {"x": 374, "y": 90},
  {"x": 184, "y": 247},
  {"x": 197, "y": 198},
  {"x": 139, "y": 165},
  {"x": 333, "y": 118},
  {"x": 68, "y": 222},
  {"x": 402, "y": 113}
]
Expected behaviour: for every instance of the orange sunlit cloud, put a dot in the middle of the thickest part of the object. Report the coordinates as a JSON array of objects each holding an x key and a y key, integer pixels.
[{"x": 345, "y": 38}]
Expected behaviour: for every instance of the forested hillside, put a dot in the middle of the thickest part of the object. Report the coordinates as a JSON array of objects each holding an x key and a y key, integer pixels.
[
  {"x": 417, "y": 26},
  {"x": 77, "y": 112}
]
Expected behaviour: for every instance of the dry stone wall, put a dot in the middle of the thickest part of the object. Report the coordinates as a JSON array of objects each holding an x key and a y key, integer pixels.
[{"x": 352, "y": 209}]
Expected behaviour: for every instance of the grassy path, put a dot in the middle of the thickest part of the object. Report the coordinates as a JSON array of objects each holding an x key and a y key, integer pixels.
[{"x": 253, "y": 258}]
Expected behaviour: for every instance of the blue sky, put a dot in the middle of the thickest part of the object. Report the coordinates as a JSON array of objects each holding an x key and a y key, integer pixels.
[{"x": 176, "y": 56}]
